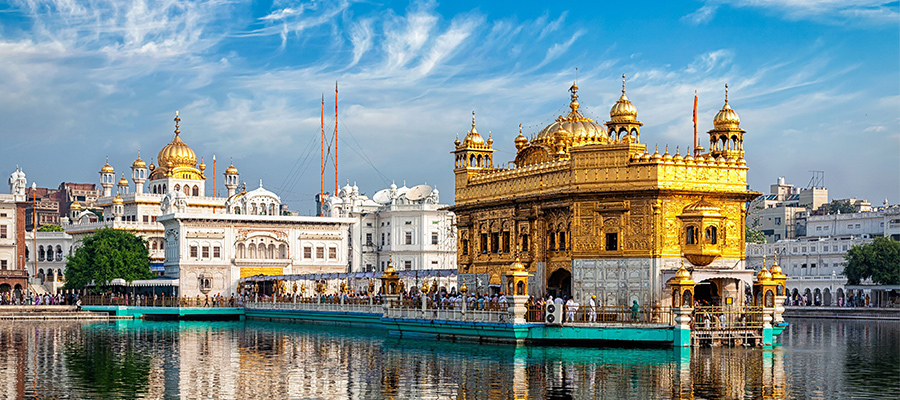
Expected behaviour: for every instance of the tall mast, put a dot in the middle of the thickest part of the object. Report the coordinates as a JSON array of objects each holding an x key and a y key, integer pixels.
[
  {"x": 322, "y": 189},
  {"x": 695, "y": 124},
  {"x": 215, "y": 188},
  {"x": 335, "y": 136}
]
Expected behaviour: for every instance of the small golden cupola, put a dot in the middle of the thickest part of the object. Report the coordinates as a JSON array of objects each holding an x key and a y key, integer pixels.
[
  {"x": 623, "y": 124},
  {"x": 702, "y": 232},
  {"x": 177, "y": 159},
  {"x": 521, "y": 141},
  {"x": 726, "y": 139},
  {"x": 473, "y": 152}
]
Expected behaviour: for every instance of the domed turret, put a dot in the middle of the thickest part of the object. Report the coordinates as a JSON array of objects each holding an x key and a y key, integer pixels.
[
  {"x": 726, "y": 138},
  {"x": 231, "y": 178},
  {"x": 473, "y": 151},
  {"x": 623, "y": 120},
  {"x": 107, "y": 175},
  {"x": 521, "y": 141}
]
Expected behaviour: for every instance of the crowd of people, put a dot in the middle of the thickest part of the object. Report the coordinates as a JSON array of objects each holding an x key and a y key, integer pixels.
[{"x": 34, "y": 299}]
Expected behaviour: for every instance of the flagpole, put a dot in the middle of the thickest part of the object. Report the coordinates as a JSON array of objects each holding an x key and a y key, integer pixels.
[{"x": 695, "y": 124}]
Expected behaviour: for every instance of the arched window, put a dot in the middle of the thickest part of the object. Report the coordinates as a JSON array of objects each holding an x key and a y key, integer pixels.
[
  {"x": 177, "y": 188},
  {"x": 152, "y": 245},
  {"x": 711, "y": 235},
  {"x": 196, "y": 190},
  {"x": 241, "y": 251},
  {"x": 41, "y": 253},
  {"x": 262, "y": 251},
  {"x": 59, "y": 254},
  {"x": 690, "y": 235},
  {"x": 271, "y": 251},
  {"x": 252, "y": 250},
  {"x": 282, "y": 251},
  {"x": 187, "y": 189}
]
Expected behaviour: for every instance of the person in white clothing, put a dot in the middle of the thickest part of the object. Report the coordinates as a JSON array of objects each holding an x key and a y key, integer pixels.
[
  {"x": 592, "y": 308},
  {"x": 571, "y": 308}
]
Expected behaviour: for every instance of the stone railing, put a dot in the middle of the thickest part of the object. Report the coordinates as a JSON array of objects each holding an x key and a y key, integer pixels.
[
  {"x": 499, "y": 317},
  {"x": 324, "y": 307}
]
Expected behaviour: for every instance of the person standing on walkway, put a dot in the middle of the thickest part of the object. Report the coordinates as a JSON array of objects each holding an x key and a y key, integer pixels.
[
  {"x": 635, "y": 310},
  {"x": 571, "y": 308},
  {"x": 592, "y": 308}
]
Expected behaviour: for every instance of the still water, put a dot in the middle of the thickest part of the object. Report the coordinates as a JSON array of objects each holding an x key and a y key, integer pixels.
[{"x": 816, "y": 359}]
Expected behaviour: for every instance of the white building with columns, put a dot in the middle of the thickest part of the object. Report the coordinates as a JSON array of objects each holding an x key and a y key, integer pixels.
[
  {"x": 191, "y": 233},
  {"x": 406, "y": 226}
]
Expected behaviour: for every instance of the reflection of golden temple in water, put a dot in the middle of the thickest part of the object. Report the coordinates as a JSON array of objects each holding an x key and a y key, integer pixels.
[{"x": 233, "y": 361}]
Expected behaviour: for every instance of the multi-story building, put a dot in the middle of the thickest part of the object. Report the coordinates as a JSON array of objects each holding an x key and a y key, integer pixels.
[
  {"x": 13, "y": 275},
  {"x": 52, "y": 250},
  {"x": 406, "y": 226},
  {"x": 782, "y": 213},
  {"x": 590, "y": 211},
  {"x": 209, "y": 242},
  {"x": 816, "y": 262}
]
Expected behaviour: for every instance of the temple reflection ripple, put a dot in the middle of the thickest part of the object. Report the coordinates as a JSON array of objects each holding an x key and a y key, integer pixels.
[{"x": 134, "y": 359}]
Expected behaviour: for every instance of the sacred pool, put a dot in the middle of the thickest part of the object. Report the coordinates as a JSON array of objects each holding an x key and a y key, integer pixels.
[{"x": 824, "y": 359}]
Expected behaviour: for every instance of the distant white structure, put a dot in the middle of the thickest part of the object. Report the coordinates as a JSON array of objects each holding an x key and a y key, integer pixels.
[
  {"x": 406, "y": 226},
  {"x": 52, "y": 250},
  {"x": 815, "y": 262}
]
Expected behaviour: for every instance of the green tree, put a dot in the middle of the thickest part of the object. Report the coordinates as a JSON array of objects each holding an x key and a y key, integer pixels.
[
  {"x": 754, "y": 236},
  {"x": 879, "y": 260},
  {"x": 106, "y": 255},
  {"x": 838, "y": 206},
  {"x": 51, "y": 228}
]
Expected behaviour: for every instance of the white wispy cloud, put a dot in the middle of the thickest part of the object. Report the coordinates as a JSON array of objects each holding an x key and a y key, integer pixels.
[
  {"x": 853, "y": 12},
  {"x": 409, "y": 81}
]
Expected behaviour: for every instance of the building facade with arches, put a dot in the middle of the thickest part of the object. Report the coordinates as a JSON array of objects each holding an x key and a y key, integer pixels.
[
  {"x": 210, "y": 253},
  {"x": 52, "y": 250},
  {"x": 589, "y": 210}
]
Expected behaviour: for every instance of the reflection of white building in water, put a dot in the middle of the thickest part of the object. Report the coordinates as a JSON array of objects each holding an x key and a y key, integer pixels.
[{"x": 407, "y": 226}]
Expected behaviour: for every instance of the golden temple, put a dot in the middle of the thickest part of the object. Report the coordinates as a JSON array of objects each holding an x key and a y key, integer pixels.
[{"x": 590, "y": 211}]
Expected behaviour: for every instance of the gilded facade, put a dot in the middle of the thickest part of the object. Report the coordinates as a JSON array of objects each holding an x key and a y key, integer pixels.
[{"x": 591, "y": 211}]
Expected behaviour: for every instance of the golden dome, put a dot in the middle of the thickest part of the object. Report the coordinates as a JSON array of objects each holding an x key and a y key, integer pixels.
[
  {"x": 138, "y": 163},
  {"x": 75, "y": 205},
  {"x": 623, "y": 110},
  {"x": 123, "y": 181},
  {"x": 151, "y": 167},
  {"x": 702, "y": 207},
  {"x": 763, "y": 275},
  {"x": 231, "y": 169},
  {"x": 107, "y": 168},
  {"x": 473, "y": 138},
  {"x": 574, "y": 127},
  {"x": 517, "y": 266},
  {"x": 726, "y": 118},
  {"x": 202, "y": 165},
  {"x": 117, "y": 200},
  {"x": 177, "y": 159},
  {"x": 521, "y": 140},
  {"x": 682, "y": 277}
]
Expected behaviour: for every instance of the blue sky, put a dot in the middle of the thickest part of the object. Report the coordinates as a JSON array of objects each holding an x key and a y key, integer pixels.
[{"x": 816, "y": 83}]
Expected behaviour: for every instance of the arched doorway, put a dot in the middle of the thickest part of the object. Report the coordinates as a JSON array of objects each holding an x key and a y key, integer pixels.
[
  {"x": 5, "y": 288},
  {"x": 560, "y": 283},
  {"x": 840, "y": 297},
  {"x": 706, "y": 293},
  {"x": 826, "y": 297}
]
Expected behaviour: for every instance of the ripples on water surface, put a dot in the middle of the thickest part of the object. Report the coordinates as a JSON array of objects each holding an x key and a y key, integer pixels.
[{"x": 238, "y": 360}]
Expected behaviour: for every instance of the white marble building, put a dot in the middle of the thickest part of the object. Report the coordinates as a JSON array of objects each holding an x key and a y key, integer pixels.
[{"x": 406, "y": 226}]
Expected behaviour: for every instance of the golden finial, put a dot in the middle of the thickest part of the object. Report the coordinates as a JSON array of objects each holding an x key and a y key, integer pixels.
[
  {"x": 473, "y": 119},
  {"x": 726, "y": 93},
  {"x": 177, "y": 120},
  {"x": 764, "y": 261},
  {"x": 520, "y": 129},
  {"x": 677, "y": 151},
  {"x": 623, "y": 83},
  {"x": 775, "y": 255}
]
